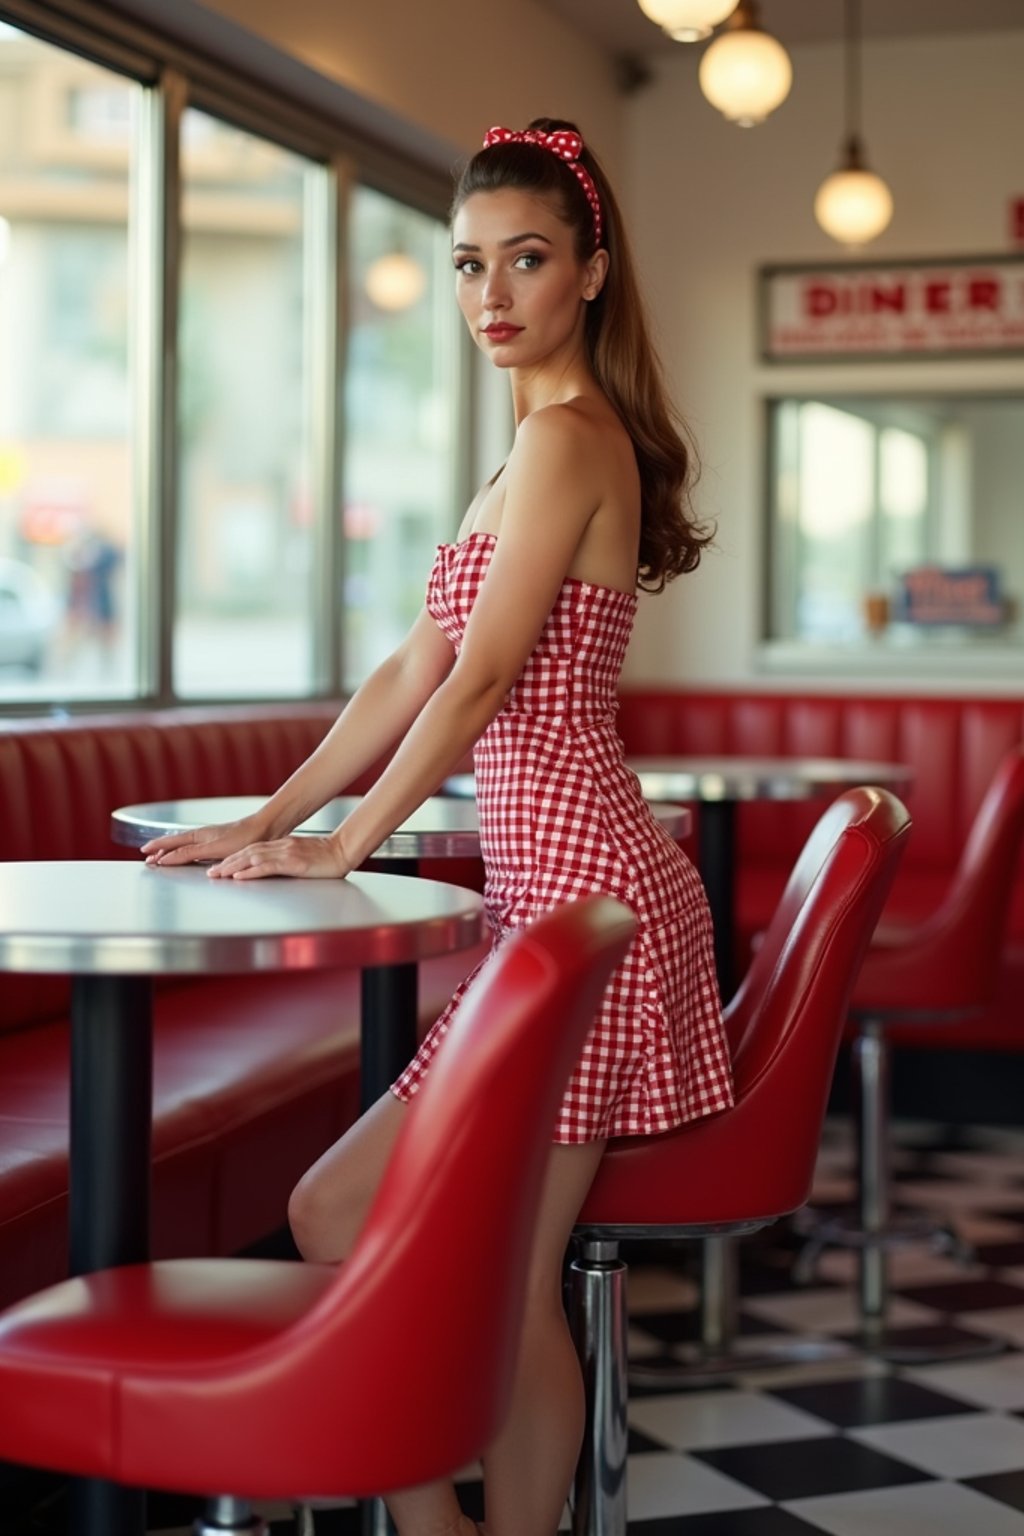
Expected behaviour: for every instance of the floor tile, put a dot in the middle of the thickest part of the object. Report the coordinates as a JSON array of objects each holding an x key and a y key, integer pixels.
[
  {"x": 929, "y": 1509},
  {"x": 1007, "y": 1487},
  {"x": 702, "y": 1420},
  {"x": 1003, "y": 1322},
  {"x": 684, "y": 1327},
  {"x": 658, "y": 1290},
  {"x": 680, "y": 1485},
  {"x": 830, "y": 1311},
  {"x": 1001, "y": 1255},
  {"x": 641, "y": 1345},
  {"x": 797, "y": 1469},
  {"x": 966, "y": 1295},
  {"x": 853, "y": 1365},
  {"x": 997, "y": 1383},
  {"x": 870, "y": 1400},
  {"x": 766, "y": 1520},
  {"x": 989, "y": 1199},
  {"x": 960, "y": 1445},
  {"x": 916, "y": 1265}
]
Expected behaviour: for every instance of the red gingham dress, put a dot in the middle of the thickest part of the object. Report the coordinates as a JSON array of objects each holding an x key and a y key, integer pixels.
[{"x": 561, "y": 816}]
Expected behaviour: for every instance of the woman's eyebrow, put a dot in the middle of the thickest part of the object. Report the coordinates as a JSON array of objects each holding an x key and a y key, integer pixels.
[{"x": 530, "y": 234}]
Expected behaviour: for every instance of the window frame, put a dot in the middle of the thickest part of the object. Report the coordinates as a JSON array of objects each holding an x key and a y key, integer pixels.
[{"x": 176, "y": 76}]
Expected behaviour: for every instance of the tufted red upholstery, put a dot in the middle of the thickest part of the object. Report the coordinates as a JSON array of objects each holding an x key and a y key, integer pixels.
[
  {"x": 954, "y": 746},
  {"x": 252, "y": 1077}
]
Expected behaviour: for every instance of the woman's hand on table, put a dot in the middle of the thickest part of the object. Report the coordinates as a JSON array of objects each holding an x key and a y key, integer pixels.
[
  {"x": 204, "y": 845},
  {"x": 300, "y": 858}
]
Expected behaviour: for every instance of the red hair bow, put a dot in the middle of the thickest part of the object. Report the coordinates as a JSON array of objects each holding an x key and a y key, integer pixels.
[{"x": 564, "y": 143}]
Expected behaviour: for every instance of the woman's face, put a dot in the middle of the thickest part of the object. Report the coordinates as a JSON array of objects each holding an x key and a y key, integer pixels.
[{"x": 519, "y": 282}]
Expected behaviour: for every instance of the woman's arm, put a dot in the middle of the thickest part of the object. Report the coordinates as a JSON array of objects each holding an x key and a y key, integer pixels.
[
  {"x": 553, "y": 487},
  {"x": 378, "y": 714}
]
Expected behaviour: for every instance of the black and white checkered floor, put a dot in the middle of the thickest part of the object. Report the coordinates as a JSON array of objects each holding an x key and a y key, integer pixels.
[{"x": 853, "y": 1446}]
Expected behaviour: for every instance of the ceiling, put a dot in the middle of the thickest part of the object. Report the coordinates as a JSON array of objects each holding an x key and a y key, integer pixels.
[{"x": 622, "y": 28}]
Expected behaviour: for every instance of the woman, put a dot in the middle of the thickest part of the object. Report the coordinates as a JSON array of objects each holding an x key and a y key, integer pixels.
[{"x": 517, "y": 653}]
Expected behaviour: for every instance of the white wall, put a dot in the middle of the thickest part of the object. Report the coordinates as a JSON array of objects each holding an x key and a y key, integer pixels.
[
  {"x": 710, "y": 203},
  {"x": 453, "y": 68}
]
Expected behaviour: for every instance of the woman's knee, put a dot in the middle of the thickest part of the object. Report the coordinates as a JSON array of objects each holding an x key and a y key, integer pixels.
[
  {"x": 319, "y": 1221},
  {"x": 329, "y": 1204}
]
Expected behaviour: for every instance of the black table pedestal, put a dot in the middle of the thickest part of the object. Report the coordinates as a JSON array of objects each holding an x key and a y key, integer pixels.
[
  {"x": 716, "y": 842},
  {"x": 111, "y": 1137}
]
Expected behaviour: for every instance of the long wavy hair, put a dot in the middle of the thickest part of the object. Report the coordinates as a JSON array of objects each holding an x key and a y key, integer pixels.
[{"x": 621, "y": 353}]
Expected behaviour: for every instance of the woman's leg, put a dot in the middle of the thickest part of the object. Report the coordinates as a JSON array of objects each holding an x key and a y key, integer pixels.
[
  {"x": 528, "y": 1470},
  {"x": 326, "y": 1213},
  {"x": 330, "y": 1202}
]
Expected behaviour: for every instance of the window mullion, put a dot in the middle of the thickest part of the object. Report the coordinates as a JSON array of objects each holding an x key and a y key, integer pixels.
[{"x": 156, "y": 222}]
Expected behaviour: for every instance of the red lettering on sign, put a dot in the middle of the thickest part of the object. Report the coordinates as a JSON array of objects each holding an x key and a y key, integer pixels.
[
  {"x": 1017, "y": 219},
  {"x": 820, "y": 300},
  {"x": 936, "y": 298},
  {"x": 983, "y": 293},
  {"x": 893, "y": 298}
]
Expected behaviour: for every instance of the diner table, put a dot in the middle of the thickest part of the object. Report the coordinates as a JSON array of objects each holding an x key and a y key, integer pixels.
[
  {"x": 722, "y": 783},
  {"x": 115, "y": 925},
  {"x": 438, "y": 829}
]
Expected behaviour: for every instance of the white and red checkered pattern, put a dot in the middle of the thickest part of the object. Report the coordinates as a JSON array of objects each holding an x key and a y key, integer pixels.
[{"x": 561, "y": 816}]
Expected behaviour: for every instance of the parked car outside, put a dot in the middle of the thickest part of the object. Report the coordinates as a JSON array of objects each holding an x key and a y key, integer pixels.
[{"x": 28, "y": 616}]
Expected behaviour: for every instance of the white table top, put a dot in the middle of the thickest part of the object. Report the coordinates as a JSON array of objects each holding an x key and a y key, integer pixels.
[
  {"x": 117, "y": 918},
  {"x": 439, "y": 829},
  {"x": 442, "y": 828},
  {"x": 759, "y": 778}
]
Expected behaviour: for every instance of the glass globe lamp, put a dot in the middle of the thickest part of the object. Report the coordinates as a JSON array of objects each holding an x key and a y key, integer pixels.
[
  {"x": 746, "y": 73},
  {"x": 395, "y": 281},
  {"x": 687, "y": 21},
  {"x": 853, "y": 205}
]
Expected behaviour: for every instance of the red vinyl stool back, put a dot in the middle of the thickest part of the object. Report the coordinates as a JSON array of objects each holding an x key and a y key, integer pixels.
[
  {"x": 737, "y": 1170},
  {"x": 943, "y": 971},
  {"x": 949, "y": 963},
  {"x": 278, "y": 1380},
  {"x": 784, "y": 1025}
]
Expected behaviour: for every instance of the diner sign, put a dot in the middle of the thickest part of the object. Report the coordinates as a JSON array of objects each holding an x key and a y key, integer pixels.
[
  {"x": 894, "y": 309},
  {"x": 967, "y": 595}
]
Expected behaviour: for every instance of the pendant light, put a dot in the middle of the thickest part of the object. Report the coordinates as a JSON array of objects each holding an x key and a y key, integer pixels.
[
  {"x": 395, "y": 281},
  {"x": 746, "y": 73},
  {"x": 853, "y": 205},
  {"x": 687, "y": 21}
]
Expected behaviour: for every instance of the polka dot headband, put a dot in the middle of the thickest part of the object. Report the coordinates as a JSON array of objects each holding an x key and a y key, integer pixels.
[{"x": 568, "y": 146}]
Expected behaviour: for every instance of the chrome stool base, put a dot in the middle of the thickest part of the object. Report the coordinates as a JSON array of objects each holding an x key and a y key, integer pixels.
[
  {"x": 224, "y": 1514},
  {"x": 843, "y": 1230},
  {"x": 720, "y": 1353}
]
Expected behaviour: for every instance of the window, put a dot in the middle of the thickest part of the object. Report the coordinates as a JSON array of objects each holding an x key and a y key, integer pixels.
[
  {"x": 400, "y": 491},
  {"x": 863, "y": 491},
  {"x": 280, "y": 589},
  {"x": 245, "y": 617},
  {"x": 68, "y": 546}
]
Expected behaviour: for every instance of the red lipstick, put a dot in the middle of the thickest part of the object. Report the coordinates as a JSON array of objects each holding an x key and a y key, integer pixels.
[{"x": 501, "y": 332}]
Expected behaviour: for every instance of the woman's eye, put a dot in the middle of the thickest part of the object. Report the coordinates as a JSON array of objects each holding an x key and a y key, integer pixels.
[
  {"x": 468, "y": 266},
  {"x": 529, "y": 260}
]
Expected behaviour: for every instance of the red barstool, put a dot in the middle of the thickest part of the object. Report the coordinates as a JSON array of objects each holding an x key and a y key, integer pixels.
[
  {"x": 731, "y": 1173},
  {"x": 283, "y": 1380},
  {"x": 941, "y": 971}
]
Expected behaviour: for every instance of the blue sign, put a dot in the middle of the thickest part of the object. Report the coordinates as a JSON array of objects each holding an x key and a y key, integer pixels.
[{"x": 967, "y": 595}]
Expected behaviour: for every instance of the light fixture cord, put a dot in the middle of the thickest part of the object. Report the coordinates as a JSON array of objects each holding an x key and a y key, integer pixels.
[{"x": 853, "y": 72}]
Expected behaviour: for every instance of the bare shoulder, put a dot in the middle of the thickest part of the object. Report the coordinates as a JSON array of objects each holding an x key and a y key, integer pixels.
[
  {"x": 582, "y": 435},
  {"x": 570, "y": 425}
]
